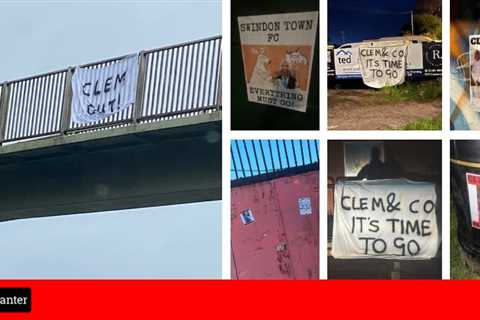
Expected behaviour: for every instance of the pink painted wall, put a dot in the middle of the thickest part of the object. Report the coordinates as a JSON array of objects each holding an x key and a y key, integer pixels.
[{"x": 281, "y": 243}]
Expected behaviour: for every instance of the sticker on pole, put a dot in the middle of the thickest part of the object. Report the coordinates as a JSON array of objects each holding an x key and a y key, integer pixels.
[
  {"x": 387, "y": 219},
  {"x": 475, "y": 72},
  {"x": 277, "y": 53},
  {"x": 473, "y": 186},
  {"x": 383, "y": 64}
]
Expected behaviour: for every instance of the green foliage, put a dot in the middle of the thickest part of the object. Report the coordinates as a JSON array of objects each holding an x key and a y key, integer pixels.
[
  {"x": 415, "y": 91},
  {"x": 425, "y": 124},
  {"x": 458, "y": 270},
  {"x": 425, "y": 24}
]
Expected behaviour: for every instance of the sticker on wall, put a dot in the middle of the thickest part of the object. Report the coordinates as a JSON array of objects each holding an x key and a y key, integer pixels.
[
  {"x": 247, "y": 216},
  {"x": 475, "y": 72},
  {"x": 305, "y": 206},
  {"x": 473, "y": 186},
  {"x": 277, "y": 53}
]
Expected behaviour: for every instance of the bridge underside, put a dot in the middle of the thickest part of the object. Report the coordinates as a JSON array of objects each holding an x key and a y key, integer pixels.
[{"x": 160, "y": 163}]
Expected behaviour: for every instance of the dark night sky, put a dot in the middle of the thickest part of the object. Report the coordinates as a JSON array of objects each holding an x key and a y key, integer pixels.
[{"x": 366, "y": 19}]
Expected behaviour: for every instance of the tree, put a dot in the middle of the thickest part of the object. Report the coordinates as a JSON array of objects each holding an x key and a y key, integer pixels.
[
  {"x": 429, "y": 7},
  {"x": 425, "y": 24}
]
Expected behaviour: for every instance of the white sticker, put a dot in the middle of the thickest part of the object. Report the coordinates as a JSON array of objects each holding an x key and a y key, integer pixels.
[
  {"x": 247, "y": 216},
  {"x": 305, "y": 206}
]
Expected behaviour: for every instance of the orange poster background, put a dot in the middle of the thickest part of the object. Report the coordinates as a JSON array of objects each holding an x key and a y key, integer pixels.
[{"x": 276, "y": 54}]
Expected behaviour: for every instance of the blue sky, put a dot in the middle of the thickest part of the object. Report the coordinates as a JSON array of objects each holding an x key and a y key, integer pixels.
[
  {"x": 165, "y": 242},
  {"x": 44, "y": 36},
  {"x": 277, "y": 154},
  {"x": 354, "y": 20},
  {"x": 181, "y": 241}
]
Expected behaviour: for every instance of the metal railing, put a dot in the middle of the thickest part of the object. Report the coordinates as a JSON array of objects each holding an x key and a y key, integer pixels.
[
  {"x": 257, "y": 160},
  {"x": 177, "y": 81}
]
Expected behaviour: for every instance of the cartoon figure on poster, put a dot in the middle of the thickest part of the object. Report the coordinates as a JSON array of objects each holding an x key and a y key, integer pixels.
[{"x": 261, "y": 77}]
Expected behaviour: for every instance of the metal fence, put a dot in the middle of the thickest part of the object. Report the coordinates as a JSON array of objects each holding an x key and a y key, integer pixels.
[
  {"x": 254, "y": 160},
  {"x": 177, "y": 81},
  {"x": 34, "y": 106}
]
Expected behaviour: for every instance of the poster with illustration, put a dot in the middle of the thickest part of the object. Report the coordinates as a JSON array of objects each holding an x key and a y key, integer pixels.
[
  {"x": 277, "y": 53},
  {"x": 475, "y": 72}
]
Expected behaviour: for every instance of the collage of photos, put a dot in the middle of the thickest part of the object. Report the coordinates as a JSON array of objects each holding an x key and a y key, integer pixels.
[
  {"x": 119, "y": 159},
  {"x": 384, "y": 72}
]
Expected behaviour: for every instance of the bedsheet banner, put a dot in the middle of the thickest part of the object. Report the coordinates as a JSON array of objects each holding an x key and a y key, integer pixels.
[
  {"x": 99, "y": 93},
  {"x": 388, "y": 219}
]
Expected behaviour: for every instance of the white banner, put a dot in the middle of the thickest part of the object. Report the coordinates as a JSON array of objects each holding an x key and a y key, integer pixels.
[
  {"x": 277, "y": 53},
  {"x": 388, "y": 219},
  {"x": 99, "y": 93},
  {"x": 383, "y": 64}
]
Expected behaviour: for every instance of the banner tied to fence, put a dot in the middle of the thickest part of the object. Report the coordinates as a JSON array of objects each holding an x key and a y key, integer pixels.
[
  {"x": 277, "y": 53},
  {"x": 383, "y": 64},
  {"x": 388, "y": 219},
  {"x": 102, "y": 92}
]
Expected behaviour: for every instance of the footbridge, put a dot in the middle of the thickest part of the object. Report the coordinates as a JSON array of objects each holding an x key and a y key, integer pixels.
[{"x": 164, "y": 149}]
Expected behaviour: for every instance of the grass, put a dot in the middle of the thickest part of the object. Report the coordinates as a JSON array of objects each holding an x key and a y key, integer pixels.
[
  {"x": 414, "y": 91},
  {"x": 425, "y": 124},
  {"x": 458, "y": 270}
]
